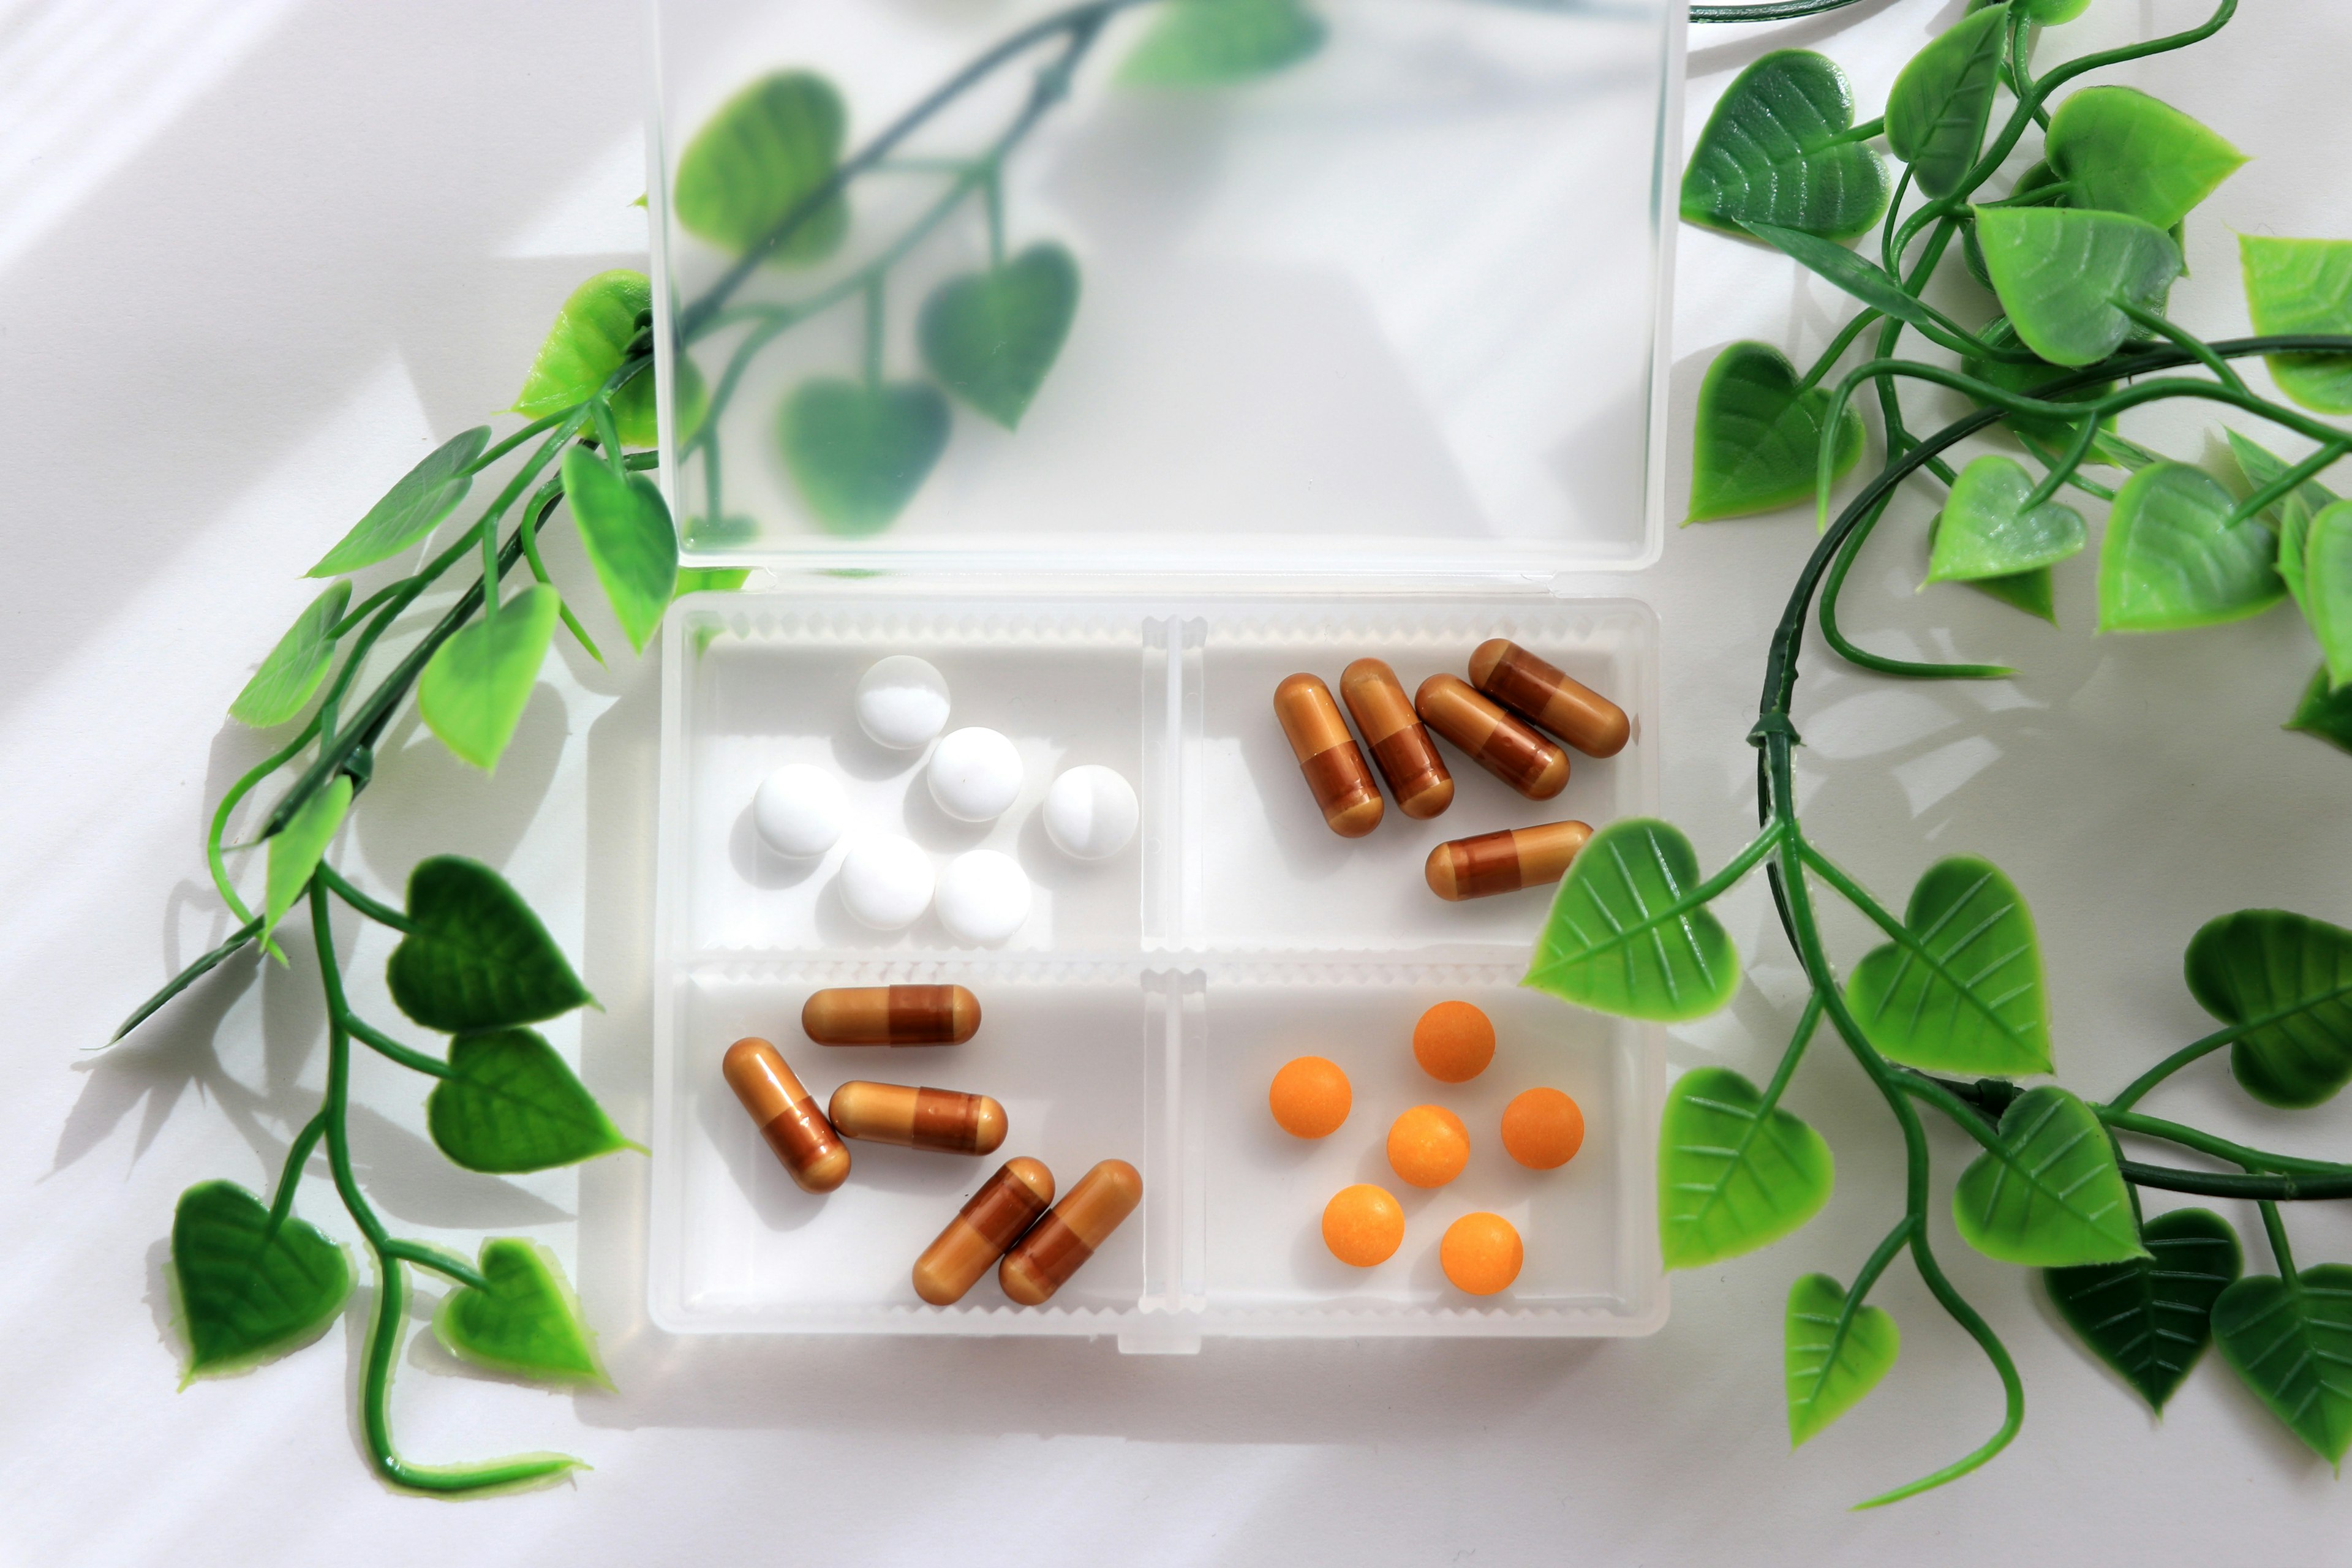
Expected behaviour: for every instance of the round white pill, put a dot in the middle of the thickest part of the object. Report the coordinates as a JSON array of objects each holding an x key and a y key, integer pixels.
[
  {"x": 975, "y": 774},
  {"x": 886, "y": 881},
  {"x": 799, "y": 810},
  {"x": 902, "y": 702},
  {"x": 983, "y": 896},
  {"x": 1091, "y": 812}
]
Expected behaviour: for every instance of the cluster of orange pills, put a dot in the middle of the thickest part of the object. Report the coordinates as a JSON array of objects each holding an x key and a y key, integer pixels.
[{"x": 1429, "y": 1146}]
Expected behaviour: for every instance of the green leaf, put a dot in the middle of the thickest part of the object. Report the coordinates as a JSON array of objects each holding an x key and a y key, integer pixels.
[
  {"x": 472, "y": 690},
  {"x": 2062, "y": 274},
  {"x": 1772, "y": 153},
  {"x": 476, "y": 957},
  {"x": 2325, "y": 712},
  {"x": 2173, "y": 559},
  {"x": 1833, "y": 1360},
  {"x": 859, "y": 453},
  {"x": 2048, "y": 1196},
  {"x": 296, "y": 666},
  {"x": 635, "y": 414},
  {"x": 625, "y": 526},
  {"x": 2327, "y": 586},
  {"x": 1961, "y": 990},
  {"x": 1985, "y": 531},
  {"x": 1628, "y": 935},
  {"x": 243, "y": 1296},
  {"x": 1937, "y": 111},
  {"x": 2295, "y": 286},
  {"x": 2290, "y": 516},
  {"x": 1208, "y": 43},
  {"x": 411, "y": 509},
  {"x": 2120, "y": 151},
  {"x": 710, "y": 580},
  {"x": 295, "y": 849},
  {"x": 2049, "y": 13},
  {"x": 590, "y": 338},
  {"x": 2290, "y": 1341},
  {"x": 769, "y": 149},
  {"x": 2029, "y": 380},
  {"x": 1864, "y": 279},
  {"x": 1757, "y": 438},
  {"x": 991, "y": 336},
  {"x": 2287, "y": 980},
  {"x": 527, "y": 1322},
  {"x": 511, "y": 1105},
  {"x": 2151, "y": 1318},
  {"x": 2034, "y": 592},
  {"x": 1733, "y": 1175}
]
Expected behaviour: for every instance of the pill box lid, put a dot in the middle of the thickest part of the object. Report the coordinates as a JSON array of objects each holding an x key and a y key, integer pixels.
[{"x": 1396, "y": 310}]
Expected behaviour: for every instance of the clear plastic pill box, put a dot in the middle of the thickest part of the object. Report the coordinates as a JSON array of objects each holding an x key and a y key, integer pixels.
[{"x": 1367, "y": 361}]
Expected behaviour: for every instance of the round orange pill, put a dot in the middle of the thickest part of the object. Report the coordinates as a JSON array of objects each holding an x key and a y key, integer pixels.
[
  {"x": 1428, "y": 1146},
  {"x": 1310, "y": 1096},
  {"x": 1454, "y": 1042},
  {"x": 1543, "y": 1129},
  {"x": 1362, "y": 1225},
  {"x": 1481, "y": 1254}
]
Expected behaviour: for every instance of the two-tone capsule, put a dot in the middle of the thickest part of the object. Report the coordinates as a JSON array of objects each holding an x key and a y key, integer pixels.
[
  {"x": 1503, "y": 862},
  {"x": 787, "y": 1115},
  {"x": 1568, "y": 708},
  {"x": 891, "y": 1015},
  {"x": 912, "y": 1118},
  {"x": 1327, "y": 754},
  {"x": 1400, "y": 746},
  {"x": 1499, "y": 741},
  {"x": 1006, "y": 1206},
  {"x": 1062, "y": 1241}
]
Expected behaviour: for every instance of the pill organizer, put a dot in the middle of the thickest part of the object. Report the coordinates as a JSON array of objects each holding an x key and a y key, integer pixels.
[{"x": 1367, "y": 362}]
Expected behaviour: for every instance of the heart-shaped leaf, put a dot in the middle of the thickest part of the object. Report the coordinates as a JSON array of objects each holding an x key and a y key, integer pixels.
[
  {"x": 243, "y": 1295},
  {"x": 624, "y": 525},
  {"x": 767, "y": 150},
  {"x": 1834, "y": 1357},
  {"x": 1773, "y": 153},
  {"x": 2325, "y": 712},
  {"x": 991, "y": 336},
  {"x": 1960, "y": 990},
  {"x": 1732, "y": 1174},
  {"x": 1628, "y": 933},
  {"x": 2049, "y": 1195},
  {"x": 2290, "y": 516},
  {"x": 2173, "y": 559},
  {"x": 2151, "y": 1318},
  {"x": 1986, "y": 531},
  {"x": 2062, "y": 276},
  {"x": 859, "y": 453},
  {"x": 2029, "y": 380},
  {"x": 1936, "y": 113},
  {"x": 473, "y": 692},
  {"x": 590, "y": 338},
  {"x": 1757, "y": 438},
  {"x": 511, "y": 1104},
  {"x": 2290, "y": 1341},
  {"x": 1207, "y": 43},
  {"x": 635, "y": 414},
  {"x": 295, "y": 849},
  {"x": 296, "y": 666},
  {"x": 2327, "y": 586},
  {"x": 527, "y": 1322},
  {"x": 2302, "y": 286},
  {"x": 2120, "y": 151},
  {"x": 475, "y": 956},
  {"x": 2287, "y": 980},
  {"x": 411, "y": 509}
]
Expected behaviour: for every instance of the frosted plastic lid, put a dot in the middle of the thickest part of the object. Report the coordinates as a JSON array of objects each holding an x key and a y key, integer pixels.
[{"x": 1395, "y": 307}]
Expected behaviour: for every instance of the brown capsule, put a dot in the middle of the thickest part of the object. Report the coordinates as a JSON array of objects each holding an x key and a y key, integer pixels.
[
  {"x": 1505, "y": 862},
  {"x": 1067, "y": 1238},
  {"x": 937, "y": 1119},
  {"x": 1568, "y": 708},
  {"x": 1502, "y": 744},
  {"x": 1327, "y": 754},
  {"x": 1400, "y": 746},
  {"x": 1006, "y": 1206},
  {"x": 891, "y": 1015},
  {"x": 788, "y": 1117}
]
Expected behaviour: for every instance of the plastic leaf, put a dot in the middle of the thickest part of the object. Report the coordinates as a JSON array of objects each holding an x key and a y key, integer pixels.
[
  {"x": 476, "y": 957},
  {"x": 634, "y": 409},
  {"x": 296, "y": 666},
  {"x": 411, "y": 509},
  {"x": 1733, "y": 1176},
  {"x": 473, "y": 692},
  {"x": 991, "y": 337},
  {"x": 2290, "y": 1341},
  {"x": 1865, "y": 280},
  {"x": 1771, "y": 153},
  {"x": 624, "y": 524},
  {"x": 2048, "y": 1196},
  {"x": 1986, "y": 532},
  {"x": 2172, "y": 559},
  {"x": 295, "y": 849},
  {"x": 243, "y": 1296},
  {"x": 859, "y": 453},
  {"x": 2049, "y": 13},
  {"x": 2323, "y": 711},
  {"x": 2327, "y": 586},
  {"x": 590, "y": 338},
  {"x": 1757, "y": 438},
  {"x": 2029, "y": 380},
  {"x": 2290, "y": 516},
  {"x": 1961, "y": 990},
  {"x": 1207, "y": 43},
  {"x": 2151, "y": 1318},
  {"x": 513, "y": 1105},
  {"x": 527, "y": 1322},
  {"x": 767, "y": 150},
  {"x": 1626, "y": 934},
  {"x": 2034, "y": 592},
  {"x": 2120, "y": 151},
  {"x": 2290, "y": 977},
  {"x": 1833, "y": 1360},
  {"x": 2303, "y": 285},
  {"x": 2061, "y": 272},
  {"x": 1937, "y": 111}
]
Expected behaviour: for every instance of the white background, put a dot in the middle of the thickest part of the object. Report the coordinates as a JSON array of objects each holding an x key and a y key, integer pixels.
[{"x": 257, "y": 256}]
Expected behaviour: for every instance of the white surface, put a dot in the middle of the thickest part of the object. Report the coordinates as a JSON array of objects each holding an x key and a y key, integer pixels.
[
  {"x": 228, "y": 338},
  {"x": 902, "y": 702},
  {"x": 974, "y": 774},
  {"x": 799, "y": 810},
  {"x": 1091, "y": 812},
  {"x": 886, "y": 881},
  {"x": 983, "y": 896}
]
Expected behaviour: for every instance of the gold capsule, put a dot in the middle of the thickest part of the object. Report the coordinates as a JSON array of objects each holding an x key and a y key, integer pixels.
[
  {"x": 1503, "y": 862},
  {"x": 788, "y": 1117},
  {"x": 891, "y": 1015},
  {"x": 1495, "y": 740},
  {"x": 1400, "y": 746},
  {"x": 1568, "y": 708},
  {"x": 937, "y": 1119},
  {"x": 1327, "y": 754},
  {"x": 1067, "y": 1238},
  {"x": 1006, "y": 1206}
]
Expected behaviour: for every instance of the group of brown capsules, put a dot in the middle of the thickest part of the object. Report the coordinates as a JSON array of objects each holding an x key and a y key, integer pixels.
[
  {"x": 1011, "y": 1222},
  {"x": 1498, "y": 717}
]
